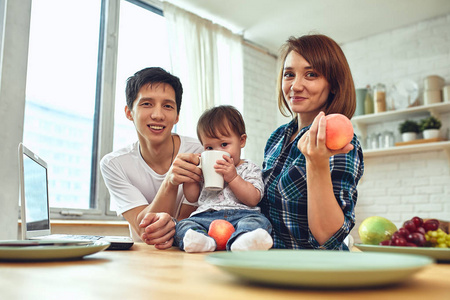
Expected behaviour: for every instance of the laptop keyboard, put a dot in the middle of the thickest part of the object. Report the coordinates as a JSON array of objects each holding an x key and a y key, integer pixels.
[
  {"x": 117, "y": 242},
  {"x": 82, "y": 237}
]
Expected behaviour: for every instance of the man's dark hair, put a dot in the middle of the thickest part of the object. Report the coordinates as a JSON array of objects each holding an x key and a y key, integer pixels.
[{"x": 153, "y": 75}]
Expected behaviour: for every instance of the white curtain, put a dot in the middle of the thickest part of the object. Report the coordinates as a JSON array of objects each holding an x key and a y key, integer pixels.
[{"x": 209, "y": 62}]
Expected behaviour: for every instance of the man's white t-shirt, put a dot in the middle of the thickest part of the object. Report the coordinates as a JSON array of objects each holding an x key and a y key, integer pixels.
[{"x": 132, "y": 183}]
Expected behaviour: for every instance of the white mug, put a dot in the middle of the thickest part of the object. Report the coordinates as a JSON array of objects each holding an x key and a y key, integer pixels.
[{"x": 213, "y": 180}]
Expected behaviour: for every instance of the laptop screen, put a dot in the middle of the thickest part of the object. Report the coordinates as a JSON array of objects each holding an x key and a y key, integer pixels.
[
  {"x": 34, "y": 194},
  {"x": 35, "y": 180}
]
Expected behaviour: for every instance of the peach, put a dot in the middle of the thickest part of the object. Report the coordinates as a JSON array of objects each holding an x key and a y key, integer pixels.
[
  {"x": 339, "y": 131},
  {"x": 220, "y": 231}
]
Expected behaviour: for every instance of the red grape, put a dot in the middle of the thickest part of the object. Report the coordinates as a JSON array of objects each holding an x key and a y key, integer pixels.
[
  {"x": 400, "y": 242},
  {"x": 403, "y": 232},
  {"x": 431, "y": 224},
  {"x": 421, "y": 230},
  {"x": 411, "y": 245},
  {"x": 386, "y": 243},
  {"x": 417, "y": 221},
  {"x": 418, "y": 239},
  {"x": 410, "y": 226},
  {"x": 395, "y": 236},
  {"x": 410, "y": 238}
]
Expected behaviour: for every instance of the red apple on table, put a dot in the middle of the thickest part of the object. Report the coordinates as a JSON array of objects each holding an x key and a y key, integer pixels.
[
  {"x": 339, "y": 131},
  {"x": 220, "y": 231}
]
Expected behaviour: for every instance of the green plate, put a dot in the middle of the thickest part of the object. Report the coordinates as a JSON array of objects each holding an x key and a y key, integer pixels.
[
  {"x": 318, "y": 268},
  {"x": 439, "y": 254},
  {"x": 48, "y": 250}
]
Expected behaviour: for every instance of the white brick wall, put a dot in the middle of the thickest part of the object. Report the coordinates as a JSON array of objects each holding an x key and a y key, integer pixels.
[
  {"x": 398, "y": 186},
  {"x": 412, "y": 52},
  {"x": 260, "y": 104}
]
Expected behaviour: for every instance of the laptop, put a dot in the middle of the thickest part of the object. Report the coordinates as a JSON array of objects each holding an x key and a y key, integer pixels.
[{"x": 35, "y": 208}]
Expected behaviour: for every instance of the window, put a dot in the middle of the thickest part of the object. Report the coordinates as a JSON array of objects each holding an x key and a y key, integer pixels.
[
  {"x": 60, "y": 95},
  {"x": 65, "y": 75}
]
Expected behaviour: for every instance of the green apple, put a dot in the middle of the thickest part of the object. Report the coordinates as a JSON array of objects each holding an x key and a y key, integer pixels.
[{"x": 374, "y": 230}]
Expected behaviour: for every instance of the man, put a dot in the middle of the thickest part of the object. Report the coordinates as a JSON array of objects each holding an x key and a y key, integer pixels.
[{"x": 145, "y": 179}]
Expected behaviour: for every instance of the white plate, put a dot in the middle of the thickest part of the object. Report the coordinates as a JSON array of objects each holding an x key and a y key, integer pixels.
[
  {"x": 48, "y": 250},
  {"x": 318, "y": 268},
  {"x": 440, "y": 254},
  {"x": 404, "y": 93}
]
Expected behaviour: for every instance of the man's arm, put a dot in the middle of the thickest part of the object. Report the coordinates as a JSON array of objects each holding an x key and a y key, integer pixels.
[
  {"x": 135, "y": 215},
  {"x": 160, "y": 229},
  {"x": 154, "y": 228},
  {"x": 153, "y": 222},
  {"x": 183, "y": 170},
  {"x": 149, "y": 221}
]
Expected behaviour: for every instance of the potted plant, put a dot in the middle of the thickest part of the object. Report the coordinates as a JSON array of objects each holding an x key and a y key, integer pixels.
[
  {"x": 430, "y": 127},
  {"x": 409, "y": 130}
]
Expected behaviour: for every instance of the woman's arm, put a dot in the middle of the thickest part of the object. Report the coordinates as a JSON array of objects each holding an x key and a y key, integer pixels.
[{"x": 325, "y": 216}]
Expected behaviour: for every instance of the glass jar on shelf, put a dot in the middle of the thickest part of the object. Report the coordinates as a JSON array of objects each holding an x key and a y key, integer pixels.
[
  {"x": 368, "y": 102},
  {"x": 379, "y": 98},
  {"x": 386, "y": 139},
  {"x": 374, "y": 140}
]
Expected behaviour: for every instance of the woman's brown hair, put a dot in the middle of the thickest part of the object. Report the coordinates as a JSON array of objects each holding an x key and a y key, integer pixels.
[{"x": 328, "y": 59}]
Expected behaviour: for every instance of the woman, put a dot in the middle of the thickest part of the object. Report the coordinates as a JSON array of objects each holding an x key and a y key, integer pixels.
[{"x": 310, "y": 191}]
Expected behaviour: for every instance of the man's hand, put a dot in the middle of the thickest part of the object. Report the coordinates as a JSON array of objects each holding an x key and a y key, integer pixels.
[
  {"x": 184, "y": 169},
  {"x": 159, "y": 230}
]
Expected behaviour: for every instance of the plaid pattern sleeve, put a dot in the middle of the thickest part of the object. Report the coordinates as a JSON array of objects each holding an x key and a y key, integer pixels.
[{"x": 285, "y": 196}]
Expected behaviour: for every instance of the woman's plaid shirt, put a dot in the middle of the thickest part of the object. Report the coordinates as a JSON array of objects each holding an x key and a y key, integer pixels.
[{"x": 285, "y": 197}]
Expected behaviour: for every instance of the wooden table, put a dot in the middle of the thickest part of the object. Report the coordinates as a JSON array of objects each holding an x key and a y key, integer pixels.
[{"x": 146, "y": 273}]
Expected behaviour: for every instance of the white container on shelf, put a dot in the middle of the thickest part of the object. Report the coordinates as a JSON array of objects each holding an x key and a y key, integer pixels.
[
  {"x": 433, "y": 82},
  {"x": 432, "y": 96},
  {"x": 446, "y": 93}
]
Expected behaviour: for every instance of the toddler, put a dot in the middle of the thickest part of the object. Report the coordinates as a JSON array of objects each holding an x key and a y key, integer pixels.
[{"x": 223, "y": 128}]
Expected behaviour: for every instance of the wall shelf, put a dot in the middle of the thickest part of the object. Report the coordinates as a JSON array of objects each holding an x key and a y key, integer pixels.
[
  {"x": 445, "y": 145},
  {"x": 436, "y": 109}
]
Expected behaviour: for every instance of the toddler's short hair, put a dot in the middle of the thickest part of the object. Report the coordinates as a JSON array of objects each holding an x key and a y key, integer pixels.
[{"x": 220, "y": 120}]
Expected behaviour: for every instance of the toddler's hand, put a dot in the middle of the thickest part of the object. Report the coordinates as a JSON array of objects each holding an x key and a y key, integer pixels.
[{"x": 226, "y": 168}]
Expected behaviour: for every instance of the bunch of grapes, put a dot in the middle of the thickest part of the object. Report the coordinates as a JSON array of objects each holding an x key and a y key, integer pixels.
[
  {"x": 417, "y": 233},
  {"x": 437, "y": 238}
]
